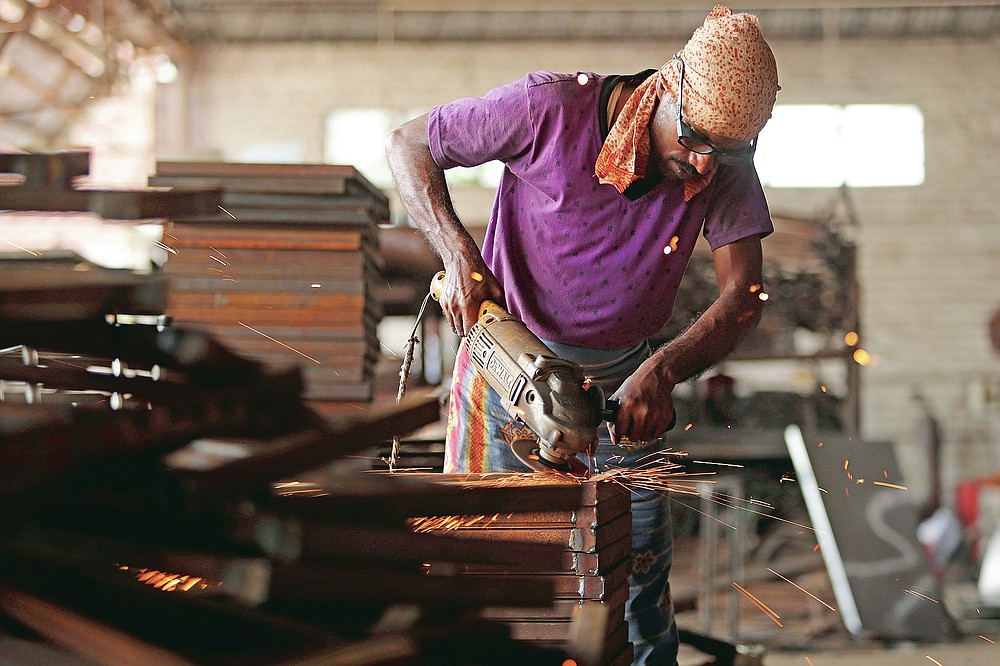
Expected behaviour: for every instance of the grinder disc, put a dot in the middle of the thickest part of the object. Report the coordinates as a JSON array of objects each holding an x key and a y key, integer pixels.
[{"x": 527, "y": 452}]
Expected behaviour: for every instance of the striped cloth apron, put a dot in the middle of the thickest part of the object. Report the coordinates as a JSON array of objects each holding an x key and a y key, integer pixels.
[{"x": 479, "y": 435}]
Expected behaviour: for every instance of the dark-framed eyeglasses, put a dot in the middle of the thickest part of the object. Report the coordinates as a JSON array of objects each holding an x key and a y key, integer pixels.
[{"x": 696, "y": 143}]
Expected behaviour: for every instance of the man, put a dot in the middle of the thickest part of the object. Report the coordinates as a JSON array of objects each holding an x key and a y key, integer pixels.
[{"x": 608, "y": 181}]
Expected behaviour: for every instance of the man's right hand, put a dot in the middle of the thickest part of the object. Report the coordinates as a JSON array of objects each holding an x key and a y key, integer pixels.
[{"x": 465, "y": 288}]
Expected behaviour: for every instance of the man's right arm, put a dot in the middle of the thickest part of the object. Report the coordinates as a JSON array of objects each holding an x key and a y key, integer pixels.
[{"x": 423, "y": 191}]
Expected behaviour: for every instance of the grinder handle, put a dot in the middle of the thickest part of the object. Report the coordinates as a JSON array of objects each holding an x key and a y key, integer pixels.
[
  {"x": 437, "y": 285},
  {"x": 609, "y": 413}
]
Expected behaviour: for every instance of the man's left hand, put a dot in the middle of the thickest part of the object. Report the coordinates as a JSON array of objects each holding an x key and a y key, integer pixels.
[{"x": 646, "y": 405}]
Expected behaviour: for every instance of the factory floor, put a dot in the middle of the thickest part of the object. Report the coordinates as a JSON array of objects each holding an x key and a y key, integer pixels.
[{"x": 800, "y": 626}]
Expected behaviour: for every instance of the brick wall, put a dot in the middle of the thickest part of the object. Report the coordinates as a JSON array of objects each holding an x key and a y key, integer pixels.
[{"x": 929, "y": 255}]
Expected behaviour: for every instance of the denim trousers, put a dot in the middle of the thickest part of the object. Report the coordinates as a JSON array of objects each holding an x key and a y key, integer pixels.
[{"x": 479, "y": 435}]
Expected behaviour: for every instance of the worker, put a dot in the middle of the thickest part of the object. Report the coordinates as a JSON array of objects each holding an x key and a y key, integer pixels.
[{"x": 607, "y": 182}]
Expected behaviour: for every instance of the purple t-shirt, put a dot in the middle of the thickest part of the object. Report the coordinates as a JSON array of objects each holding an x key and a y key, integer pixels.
[{"x": 579, "y": 262}]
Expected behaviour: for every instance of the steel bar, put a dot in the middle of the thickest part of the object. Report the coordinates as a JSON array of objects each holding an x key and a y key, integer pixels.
[
  {"x": 296, "y": 539},
  {"x": 197, "y": 628},
  {"x": 55, "y": 291},
  {"x": 103, "y": 643},
  {"x": 391, "y": 498},
  {"x": 116, "y": 205},
  {"x": 317, "y": 443},
  {"x": 579, "y": 539},
  {"x": 49, "y": 170},
  {"x": 40, "y": 444}
]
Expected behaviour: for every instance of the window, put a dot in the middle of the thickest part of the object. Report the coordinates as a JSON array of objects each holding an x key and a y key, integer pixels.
[
  {"x": 357, "y": 137},
  {"x": 860, "y": 145}
]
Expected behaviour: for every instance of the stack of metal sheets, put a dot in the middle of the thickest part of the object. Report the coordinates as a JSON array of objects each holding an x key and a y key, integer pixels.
[
  {"x": 593, "y": 572},
  {"x": 286, "y": 272}
]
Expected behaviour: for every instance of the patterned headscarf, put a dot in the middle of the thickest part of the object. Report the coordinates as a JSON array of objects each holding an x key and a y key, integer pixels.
[{"x": 730, "y": 84}]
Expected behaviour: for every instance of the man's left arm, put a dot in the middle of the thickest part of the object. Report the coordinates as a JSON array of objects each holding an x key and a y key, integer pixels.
[{"x": 646, "y": 402}]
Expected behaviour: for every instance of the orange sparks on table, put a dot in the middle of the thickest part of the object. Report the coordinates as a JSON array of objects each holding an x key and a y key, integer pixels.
[
  {"x": 215, "y": 258},
  {"x": 861, "y": 357},
  {"x": 851, "y": 339},
  {"x": 846, "y": 463},
  {"x": 168, "y": 582},
  {"x": 809, "y": 661},
  {"x": 280, "y": 343},
  {"x": 760, "y": 604},
  {"x": 934, "y": 660},
  {"x": 801, "y": 589},
  {"x": 890, "y": 485},
  {"x": 689, "y": 426},
  {"x": 987, "y": 640},
  {"x": 227, "y": 212}
]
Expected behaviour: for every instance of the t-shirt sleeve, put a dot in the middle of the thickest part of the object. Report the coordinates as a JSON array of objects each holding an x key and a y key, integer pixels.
[
  {"x": 475, "y": 130},
  {"x": 738, "y": 208}
]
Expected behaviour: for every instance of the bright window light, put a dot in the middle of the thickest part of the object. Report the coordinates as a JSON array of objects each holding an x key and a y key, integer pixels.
[
  {"x": 357, "y": 137},
  {"x": 860, "y": 145}
]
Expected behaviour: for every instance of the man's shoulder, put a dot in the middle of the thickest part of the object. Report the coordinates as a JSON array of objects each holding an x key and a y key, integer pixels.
[{"x": 547, "y": 78}]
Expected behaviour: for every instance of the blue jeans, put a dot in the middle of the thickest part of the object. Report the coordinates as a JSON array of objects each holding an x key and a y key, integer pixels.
[{"x": 649, "y": 611}]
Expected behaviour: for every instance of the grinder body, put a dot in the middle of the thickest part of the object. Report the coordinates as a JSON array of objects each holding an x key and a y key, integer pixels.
[{"x": 543, "y": 391}]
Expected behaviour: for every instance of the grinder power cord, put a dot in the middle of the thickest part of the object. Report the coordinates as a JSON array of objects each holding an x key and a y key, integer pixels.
[{"x": 545, "y": 392}]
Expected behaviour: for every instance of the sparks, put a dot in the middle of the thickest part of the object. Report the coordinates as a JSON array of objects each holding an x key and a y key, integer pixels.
[
  {"x": 709, "y": 462},
  {"x": 211, "y": 256},
  {"x": 851, "y": 339},
  {"x": 801, "y": 589},
  {"x": 862, "y": 358},
  {"x": 922, "y": 596},
  {"x": 987, "y": 640},
  {"x": 164, "y": 246},
  {"x": 582, "y": 79},
  {"x": 934, "y": 660},
  {"x": 280, "y": 343},
  {"x": 760, "y": 604},
  {"x": 31, "y": 252},
  {"x": 478, "y": 277},
  {"x": 889, "y": 485},
  {"x": 227, "y": 212}
]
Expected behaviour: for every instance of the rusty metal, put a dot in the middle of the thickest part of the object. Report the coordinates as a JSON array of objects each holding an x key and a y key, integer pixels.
[
  {"x": 49, "y": 170},
  {"x": 39, "y": 290},
  {"x": 392, "y": 498},
  {"x": 317, "y": 441},
  {"x": 116, "y": 205},
  {"x": 291, "y": 539},
  {"x": 39, "y": 443},
  {"x": 49, "y": 186}
]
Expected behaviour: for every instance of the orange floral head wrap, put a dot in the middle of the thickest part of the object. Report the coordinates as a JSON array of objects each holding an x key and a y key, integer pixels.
[{"x": 730, "y": 85}]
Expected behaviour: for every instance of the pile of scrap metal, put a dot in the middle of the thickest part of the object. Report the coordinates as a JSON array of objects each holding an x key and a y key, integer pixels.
[{"x": 156, "y": 509}]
